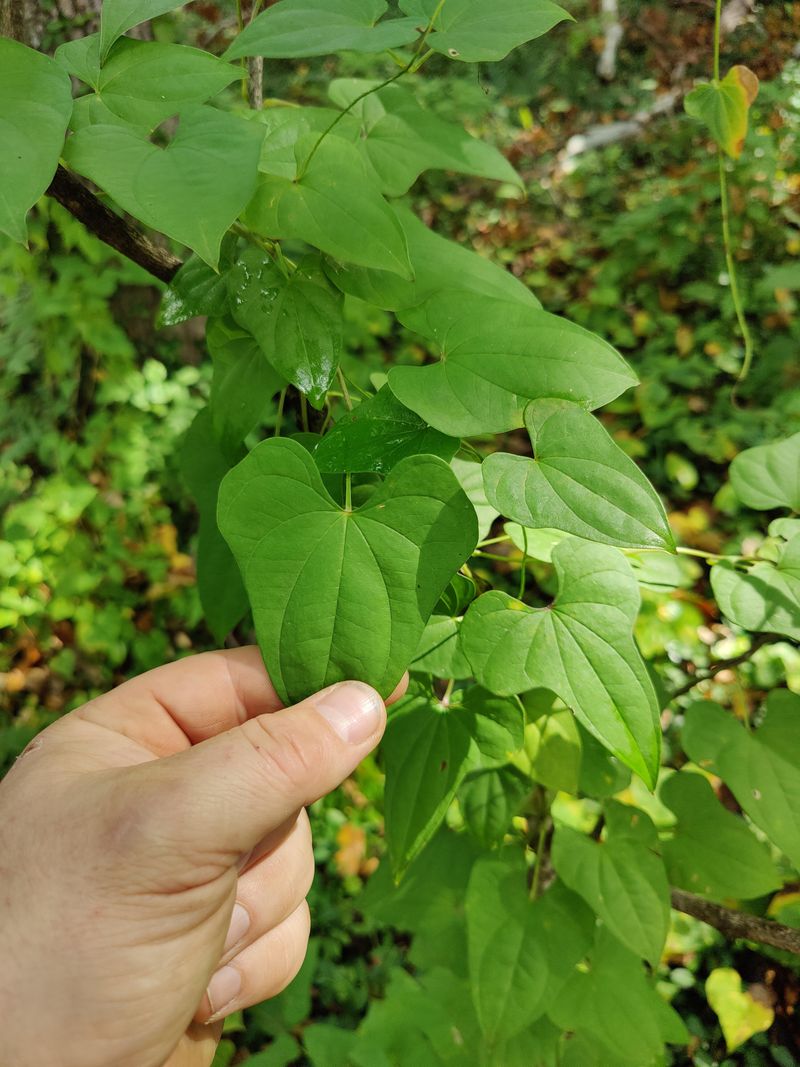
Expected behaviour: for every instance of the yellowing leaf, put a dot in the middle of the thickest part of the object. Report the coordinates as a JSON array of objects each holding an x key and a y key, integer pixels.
[
  {"x": 740, "y": 1015},
  {"x": 722, "y": 107}
]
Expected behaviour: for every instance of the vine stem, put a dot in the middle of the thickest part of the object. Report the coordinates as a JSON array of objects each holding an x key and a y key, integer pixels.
[
  {"x": 345, "y": 392},
  {"x": 279, "y": 417},
  {"x": 448, "y": 692},
  {"x": 348, "y": 491},
  {"x": 725, "y": 664},
  {"x": 413, "y": 64},
  {"x": 523, "y": 574},
  {"x": 725, "y": 210}
]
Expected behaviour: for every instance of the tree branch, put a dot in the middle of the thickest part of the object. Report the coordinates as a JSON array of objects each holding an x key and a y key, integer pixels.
[
  {"x": 726, "y": 664},
  {"x": 110, "y": 227},
  {"x": 737, "y": 924}
]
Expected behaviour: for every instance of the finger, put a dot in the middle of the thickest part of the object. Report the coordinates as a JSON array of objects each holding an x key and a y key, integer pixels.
[
  {"x": 182, "y": 703},
  {"x": 270, "y": 890},
  {"x": 221, "y": 797},
  {"x": 260, "y": 971}
]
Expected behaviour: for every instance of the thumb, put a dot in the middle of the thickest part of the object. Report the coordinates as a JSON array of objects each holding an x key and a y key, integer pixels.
[{"x": 225, "y": 794}]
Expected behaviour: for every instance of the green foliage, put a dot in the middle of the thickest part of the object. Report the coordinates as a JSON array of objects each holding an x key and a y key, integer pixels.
[
  {"x": 533, "y": 868},
  {"x": 36, "y": 97}
]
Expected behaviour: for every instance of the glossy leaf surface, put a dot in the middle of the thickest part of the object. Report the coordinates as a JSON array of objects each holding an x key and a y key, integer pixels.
[
  {"x": 117, "y": 16},
  {"x": 377, "y": 435}
]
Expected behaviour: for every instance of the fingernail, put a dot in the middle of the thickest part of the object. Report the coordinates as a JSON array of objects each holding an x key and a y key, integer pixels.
[
  {"x": 222, "y": 988},
  {"x": 239, "y": 925},
  {"x": 353, "y": 710}
]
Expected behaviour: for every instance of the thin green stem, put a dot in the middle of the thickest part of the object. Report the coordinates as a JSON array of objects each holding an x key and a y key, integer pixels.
[
  {"x": 413, "y": 64},
  {"x": 445, "y": 701},
  {"x": 348, "y": 492},
  {"x": 537, "y": 870},
  {"x": 493, "y": 541},
  {"x": 717, "y": 22},
  {"x": 725, "y": 210},
  {"x": 500, "y": 559},
  {"x": 279, "y": 416},
  {"x": 348, "y": 403},
  {"x": 523, "y": 574},
  {"x": 471, "y": 450}
]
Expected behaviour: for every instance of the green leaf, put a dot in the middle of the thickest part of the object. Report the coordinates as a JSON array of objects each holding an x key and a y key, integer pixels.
[
  {"x": 614, "y": 1002},
  {"x": 495, "y": 724},
  {"x": 579, "y": 481},
  {"x": 402, "y": 139},
  {"x": 553, "y": 746},
  {"x": 433, "y": 258},
  {"x": 740, "y": 1014},
  {"x": 243, "y": 383},
  {"x": 621, "y": 878},
  {"x": 426, "y": 754},
  {"x": 768, "y": 476},
  {"x": 713, "y": 852},
  {"x": 438, "y": 652},
  {"x": 144, "y": 82},
  {"x": 36, "y": 99},
  {"x": 764, "y": 598},
  {"x": 335, "y": 206},
  {"x": 192, "y": 190},
  {"x": 294, "y": 28},
  {"x": 118, "y": 16},
  {"x": 762, "y": 769},
  {"x": 196, "y": 289},
  {"x": 81, "y": 58},
  {"x": 581, "y": 648},
  {"x": 474, "y": 32},
  {"x": 310, "y": 567},
  {"x": 470, "y": 476},
  {"x": 285, "y": 126},
  {"x": 222, "y": 594},
  {"x": 601, "y": 774},
  {"x": 377, "y": 435},
  {"x": 520, "y": 953},
  {"x": 722, "y": 107},
  {"x": 489, "y": 800},
  {"x": 297, "y": 321},
  {"x": 496, "y": 359}
]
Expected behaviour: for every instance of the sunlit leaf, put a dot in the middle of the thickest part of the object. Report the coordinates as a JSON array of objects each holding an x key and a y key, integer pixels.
[{"x": 722, "y": 107}]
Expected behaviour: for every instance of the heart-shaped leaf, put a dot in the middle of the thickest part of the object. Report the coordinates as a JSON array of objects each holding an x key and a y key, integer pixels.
[
  {"x": 762, "y": 769},
  {"x": 118, "y": 16},
  {"x": 723, "y": 106},
  {"x": 402, "y": 139},
  {"x": 490, "y": 799},
  {"x": 768, "y": 476},
  {"x": 336, "y": 206},
  {"x": 297, "y": 320},
  {"x": 144, "y": 82},
  {"x": 340, "y": 594},
  {"x": 37, "y": 103},
  {"x": 496, "y": 359},
  {"x": 765, "y": 598},
  {"x": 285, "y": 126},
  {"x": 433, "y": 258},
  {"x": 476, "y": 32},
  {"x": 192, "y": 190},
  {"x": 740, "y": 1014},
  {"x": 579, "y": 481},
  {"x": 712, "y": 851},
  {"x": 520, "y": 953},
  {"x": 426, "y": 755},
  {"x": 377, "y": 435},
  {"x": 622, "y": 879},
  {"x": 294, "y": 28},
  {"x": 581, "y": 648}
]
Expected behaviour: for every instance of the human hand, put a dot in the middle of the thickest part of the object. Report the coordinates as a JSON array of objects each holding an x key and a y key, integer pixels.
[{"x": 155, "y": 858}]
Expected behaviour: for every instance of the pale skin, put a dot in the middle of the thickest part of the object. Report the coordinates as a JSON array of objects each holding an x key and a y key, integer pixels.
[{"x": 155, "y": 856}]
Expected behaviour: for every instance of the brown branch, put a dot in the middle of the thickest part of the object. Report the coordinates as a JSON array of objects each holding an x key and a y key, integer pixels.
[
  {"x": 726, "y": 664},
  {"x": 110, "y": 227},
  {"x": 737, "y": 924}
]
